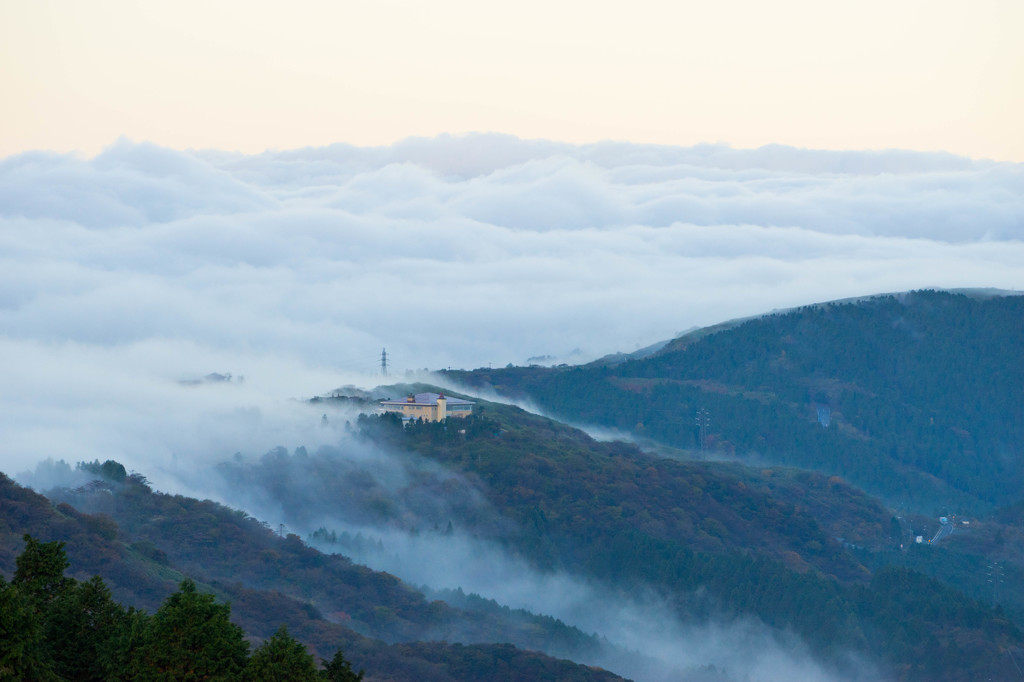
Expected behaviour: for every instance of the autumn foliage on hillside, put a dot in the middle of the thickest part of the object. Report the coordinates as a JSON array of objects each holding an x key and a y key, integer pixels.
[{"x": 714, "y": 538}]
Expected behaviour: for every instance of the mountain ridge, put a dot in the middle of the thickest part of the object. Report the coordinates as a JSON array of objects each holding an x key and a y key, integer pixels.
[
  {"x": 799, "y": 550},
  {"x": 864, "y": 363}
]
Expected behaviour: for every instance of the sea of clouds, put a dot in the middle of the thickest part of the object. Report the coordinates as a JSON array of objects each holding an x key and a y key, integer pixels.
[
  {"x": 126, "y": 276},
  {"x": 169, "y": 309}
]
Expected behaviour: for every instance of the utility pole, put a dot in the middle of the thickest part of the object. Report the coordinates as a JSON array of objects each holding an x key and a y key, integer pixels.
[
  {"x": 703, "y": 420},
  {"x": 384, "y": 362}
]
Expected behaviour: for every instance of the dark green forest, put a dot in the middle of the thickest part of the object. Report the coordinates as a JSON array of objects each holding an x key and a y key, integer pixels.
[
  {"x": 53, "y": 627},
  {"x": 151, "y": 552},
  {"x": 775, "y": 470},
  {"x": 717, "y": 542},
  {"x": 916, "y": 398}
]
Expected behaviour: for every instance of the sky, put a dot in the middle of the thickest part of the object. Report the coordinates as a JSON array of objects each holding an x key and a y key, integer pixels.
[
  {"x": 279, "y": 194},
  {"x": 275, "y": 193},
  {"x": 935, "y": 75}
]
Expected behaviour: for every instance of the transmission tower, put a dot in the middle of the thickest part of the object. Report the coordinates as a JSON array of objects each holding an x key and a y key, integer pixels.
[
  {"x": 995, "y": 576},
  {"x": 703, "y": 421},
  {"x": 384, "y": 362}
]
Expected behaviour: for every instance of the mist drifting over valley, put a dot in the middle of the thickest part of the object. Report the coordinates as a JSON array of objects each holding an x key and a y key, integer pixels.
[
  {"x": 171, "y": 309},
  {"x": 124, "y": 274},
  {"x": 433, "y": 527}
]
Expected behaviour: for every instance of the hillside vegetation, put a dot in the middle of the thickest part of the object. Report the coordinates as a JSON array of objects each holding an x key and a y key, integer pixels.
[
  {"x": 147, "y": 548},
  {"x": 917, "y": 398},
  {"x": 714, "y": 540},
  {"x": 833, "y": 436}
]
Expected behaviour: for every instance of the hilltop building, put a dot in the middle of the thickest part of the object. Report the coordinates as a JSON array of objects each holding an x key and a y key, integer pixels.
[{"x": 430, "y": 407}]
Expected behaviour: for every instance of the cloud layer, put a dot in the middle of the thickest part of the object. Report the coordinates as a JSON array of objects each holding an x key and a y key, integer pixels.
[
  {"x": 122, "y": 274},
  {"x": 127, "y": 278}
]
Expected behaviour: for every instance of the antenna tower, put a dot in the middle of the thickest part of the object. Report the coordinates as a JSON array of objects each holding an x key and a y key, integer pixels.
[
  {"x": 703, "y": 421},
  {"x": 384, "y": 362},
  {"x": 995, "y": 576}
]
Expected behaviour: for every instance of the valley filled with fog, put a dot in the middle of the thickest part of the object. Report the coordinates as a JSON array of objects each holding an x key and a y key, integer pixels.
[{"x": 433, "y": 528}]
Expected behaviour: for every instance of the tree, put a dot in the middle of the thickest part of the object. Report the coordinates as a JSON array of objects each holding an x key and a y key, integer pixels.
[
  {"x": 79, "y": 624},
  {"x": 21, "y": 638},
  {"x": 40, "y": 571},
  {"x": 110, "y": 470},
  {"x": 338, "y": 669},
  {"x": 121, "y": 652},
  {"x": 281, "y": 659},
  {"x": 191, "y": 638}
]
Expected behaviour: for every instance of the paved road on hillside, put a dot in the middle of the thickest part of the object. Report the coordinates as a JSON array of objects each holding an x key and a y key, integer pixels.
[{"x": 945, "y": 531}]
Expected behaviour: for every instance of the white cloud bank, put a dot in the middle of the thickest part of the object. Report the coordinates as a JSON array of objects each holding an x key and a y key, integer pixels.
[{"x": 122, "y": 274}]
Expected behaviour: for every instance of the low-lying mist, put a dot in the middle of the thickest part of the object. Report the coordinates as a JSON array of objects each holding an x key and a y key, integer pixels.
[
  {"x": 409, "y": 516},
  {"x": 163, "y": 408},
  {"x": 646, "y": 640},
  {"x": 434, "y": 527}
]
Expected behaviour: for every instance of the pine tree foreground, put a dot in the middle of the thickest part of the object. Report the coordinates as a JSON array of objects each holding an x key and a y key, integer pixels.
[{"x": 54, "y": 628}]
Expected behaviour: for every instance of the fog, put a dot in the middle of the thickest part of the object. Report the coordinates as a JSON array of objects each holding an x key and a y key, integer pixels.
[
  {"x": 646, "y": 640},
  {"x": 477, "y": 250},
  {"x": 129, "y": 279},
  {"x": 124, "y": 273},
  {"x": 433, "y": 527}
]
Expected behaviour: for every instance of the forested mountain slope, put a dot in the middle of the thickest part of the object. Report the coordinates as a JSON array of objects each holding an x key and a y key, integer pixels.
[
  {"x": 917, "y": 398},
  {"x": 143, "y": 544},
  {"x": 713, "y": 540},
  {"x": 716, "y": 541},
  {"x": 804, "y": 551}
]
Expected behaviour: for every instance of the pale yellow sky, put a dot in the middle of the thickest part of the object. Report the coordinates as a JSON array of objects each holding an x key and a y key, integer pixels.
[{"x": 252, "y": 75}]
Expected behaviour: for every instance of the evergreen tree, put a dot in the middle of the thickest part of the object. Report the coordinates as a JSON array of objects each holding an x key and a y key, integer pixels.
[
  {"x": 121, "y": 653},
  {"x": 78, "y": 625},
  {"x": 281, "y": 659},
  {"x": 21, "y": 637},
  {"x": 40, "y": 571},
  {"x": 338, "y": 669},
  {"x": 191, "y": 637}
]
